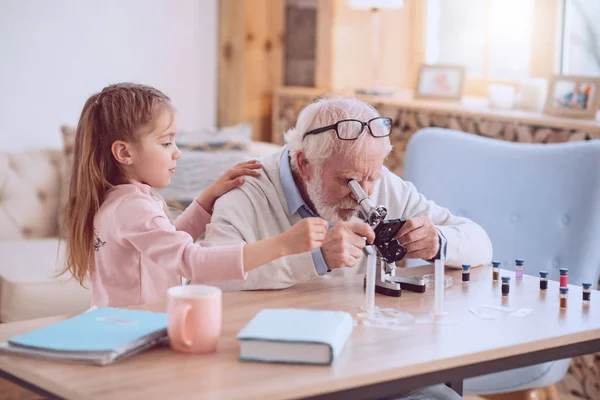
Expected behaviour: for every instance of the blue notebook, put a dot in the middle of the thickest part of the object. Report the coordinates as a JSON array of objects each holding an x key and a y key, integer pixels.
[
  {"x": 100, "y": 336},
  {"x": 300, "y": 336}
]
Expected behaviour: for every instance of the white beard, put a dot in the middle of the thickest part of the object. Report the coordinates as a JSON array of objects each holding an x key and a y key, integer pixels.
[{"x": 329, "y": 212}]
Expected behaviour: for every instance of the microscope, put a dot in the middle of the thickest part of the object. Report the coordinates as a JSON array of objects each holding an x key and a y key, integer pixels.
[{"x": 385, "y": 248}]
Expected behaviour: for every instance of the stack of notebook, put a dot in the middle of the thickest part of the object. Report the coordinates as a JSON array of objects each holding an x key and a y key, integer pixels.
[{"x": 101, "y": 336}]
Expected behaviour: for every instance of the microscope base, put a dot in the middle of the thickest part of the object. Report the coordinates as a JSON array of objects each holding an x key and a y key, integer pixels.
[{"x": 391, "y": 289}]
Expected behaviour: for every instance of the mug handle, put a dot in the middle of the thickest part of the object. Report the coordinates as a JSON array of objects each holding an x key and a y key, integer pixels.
[{"x": 179, "y": 319}]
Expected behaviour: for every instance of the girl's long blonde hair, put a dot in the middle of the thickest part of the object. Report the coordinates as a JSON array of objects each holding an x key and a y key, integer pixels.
[{"x": 118, "y": 112}]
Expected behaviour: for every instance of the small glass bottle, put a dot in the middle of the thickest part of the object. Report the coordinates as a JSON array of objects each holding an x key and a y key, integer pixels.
[
  {"x": 505, "y": 285},
  {"x": 466, "y": 273},
  {"x": 564, "y": 291},
  {"x": 587, "y": 293},
  {"x": 496, "y": 270},
  {"x": 564, "y": 277},
  {"x": 543, "y": 280},
  {"x": 519, "y": 268}
]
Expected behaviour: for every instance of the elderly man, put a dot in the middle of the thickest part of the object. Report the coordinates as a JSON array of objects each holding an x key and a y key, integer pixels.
[{"x": 336, "y": 140}]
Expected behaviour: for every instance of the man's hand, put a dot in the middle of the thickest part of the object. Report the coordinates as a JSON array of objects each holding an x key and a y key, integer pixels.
[
  {"x": 420, "y": 237},
  {"x": 344, "y": 242}
]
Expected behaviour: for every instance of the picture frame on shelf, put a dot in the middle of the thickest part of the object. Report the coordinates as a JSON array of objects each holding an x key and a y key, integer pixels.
[
  {"x": 573, "y": 96},
  {"x": 440, "y": 82}
]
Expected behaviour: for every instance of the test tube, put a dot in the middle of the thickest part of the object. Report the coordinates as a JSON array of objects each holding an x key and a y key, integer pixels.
[{"x": 466, "y": 273}]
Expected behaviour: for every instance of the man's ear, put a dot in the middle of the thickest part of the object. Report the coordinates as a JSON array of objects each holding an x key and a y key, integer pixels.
[
  {"x": 305, "y": 168},
  {"x": 122, "y": 152}
]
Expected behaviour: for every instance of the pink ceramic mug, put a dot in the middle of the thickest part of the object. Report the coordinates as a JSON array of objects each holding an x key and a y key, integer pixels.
[{"x": 194, "y": 318}]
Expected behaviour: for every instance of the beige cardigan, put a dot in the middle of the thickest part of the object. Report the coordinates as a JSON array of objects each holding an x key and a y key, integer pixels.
[{"x": 258, "y": 209}]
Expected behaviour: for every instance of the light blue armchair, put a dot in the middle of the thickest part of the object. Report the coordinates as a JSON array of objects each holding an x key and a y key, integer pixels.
[{"x": 539, "y": 202}]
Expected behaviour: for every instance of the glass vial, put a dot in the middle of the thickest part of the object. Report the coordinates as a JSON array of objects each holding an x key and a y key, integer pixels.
[
  {"x": 505, "y": 285},
  {"x": 496, "y": 270},
  {"x": 519, "y": 268},
  {"x": 564, "y": 277},
  {"x": 587, "y": 293},
  {"x": 543, "y": 280},
  {"x": 564, "y": 291},
  {"x": 466, "y": 273}
]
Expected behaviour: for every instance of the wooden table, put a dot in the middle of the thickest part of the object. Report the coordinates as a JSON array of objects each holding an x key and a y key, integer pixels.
[{"x": 375, "y": 363}]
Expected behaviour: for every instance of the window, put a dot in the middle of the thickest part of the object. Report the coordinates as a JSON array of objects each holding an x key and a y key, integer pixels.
[
  {"x": 455, "y": 36},
  {"x": 581, "y": 38},
  {"x": 510, "y": 24},
  {"x": 492, "y": 38}
]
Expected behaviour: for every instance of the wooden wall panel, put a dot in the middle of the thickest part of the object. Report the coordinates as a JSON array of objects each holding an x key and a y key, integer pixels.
[
  {"x": 230, "y": 75},
  {"x": 250, "y": 62},
  {"x": 323, "y": 67}
]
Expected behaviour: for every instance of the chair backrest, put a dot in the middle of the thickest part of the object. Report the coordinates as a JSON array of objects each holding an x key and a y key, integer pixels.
[{"x": 540, "y": 202}]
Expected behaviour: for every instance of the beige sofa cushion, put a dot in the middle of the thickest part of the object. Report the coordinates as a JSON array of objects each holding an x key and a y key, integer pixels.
[
  {"x": 27, "y": 286},
  {"x": 29, "y": 191}
]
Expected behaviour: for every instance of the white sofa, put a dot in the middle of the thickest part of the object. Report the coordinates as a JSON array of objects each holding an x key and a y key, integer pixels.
[{"x": 30, "y": 251}]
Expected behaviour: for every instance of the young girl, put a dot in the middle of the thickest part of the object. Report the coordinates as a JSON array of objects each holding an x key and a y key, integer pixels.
[{"x": 119, "y": 235}]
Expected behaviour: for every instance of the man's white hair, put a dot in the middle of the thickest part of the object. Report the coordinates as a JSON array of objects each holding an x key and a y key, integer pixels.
[{"x": 327, "y": 111}]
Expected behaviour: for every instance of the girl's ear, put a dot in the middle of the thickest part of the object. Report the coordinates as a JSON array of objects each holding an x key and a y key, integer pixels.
[{"x": 122, "y": 152}]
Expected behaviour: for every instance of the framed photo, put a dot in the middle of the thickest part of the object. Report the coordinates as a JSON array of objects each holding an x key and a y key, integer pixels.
[
  {"x": 440, "y": 82},
  {"x": 573, "y": 96}
]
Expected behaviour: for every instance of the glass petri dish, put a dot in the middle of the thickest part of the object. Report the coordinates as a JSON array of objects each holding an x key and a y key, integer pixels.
[{"x": 430, "y": 281}]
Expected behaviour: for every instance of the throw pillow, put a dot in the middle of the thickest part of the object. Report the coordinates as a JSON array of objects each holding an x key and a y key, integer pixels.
[
  {"x": 238, "y": 135},
  {"x": 206, "y": 155}
]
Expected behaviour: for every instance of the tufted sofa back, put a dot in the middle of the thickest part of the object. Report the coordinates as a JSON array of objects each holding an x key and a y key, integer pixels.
[
  {"x": 540, "y": 202},
  {"x": 29, "y": 194}
]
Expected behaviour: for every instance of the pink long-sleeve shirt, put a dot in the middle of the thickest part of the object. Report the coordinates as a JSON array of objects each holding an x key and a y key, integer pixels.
[{"x": 139, "y": 253}]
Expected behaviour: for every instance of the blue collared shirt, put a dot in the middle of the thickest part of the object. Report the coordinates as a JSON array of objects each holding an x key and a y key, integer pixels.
[{"x": 296, "y": 204}]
